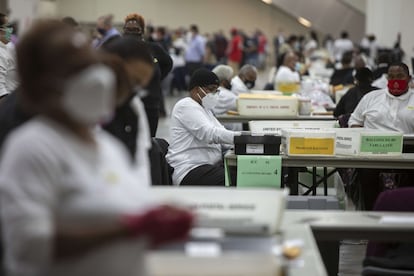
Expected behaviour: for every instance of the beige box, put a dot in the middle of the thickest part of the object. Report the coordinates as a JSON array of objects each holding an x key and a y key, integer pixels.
[
  {"x": 360, "y": 141},
  {"x": 304, "y": 142},
  {"x": 267, "y": 105}
]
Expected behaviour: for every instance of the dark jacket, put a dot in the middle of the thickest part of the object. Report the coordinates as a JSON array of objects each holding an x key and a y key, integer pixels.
[{"x": 351, "y": 99}]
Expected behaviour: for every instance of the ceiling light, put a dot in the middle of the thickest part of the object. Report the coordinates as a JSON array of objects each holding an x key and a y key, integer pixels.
[{"x": 304, "y": 22}]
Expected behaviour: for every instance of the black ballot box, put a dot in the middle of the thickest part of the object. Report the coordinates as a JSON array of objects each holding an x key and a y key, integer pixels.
[{"x": 247, "y": 144}]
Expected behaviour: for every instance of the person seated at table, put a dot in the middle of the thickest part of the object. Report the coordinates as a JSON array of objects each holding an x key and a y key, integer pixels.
[
  {"x": 245, "y": 80},
  {"x": 287, "y": 78},
  {"x": 70, "y": 201},
  {"x": 197, "y": 137},
  {"x": 347, "y": 104},
  {"x": 343, "y": 75},
  {"x": 227, "y": 100},
  {"x": 389, "y": 109}
]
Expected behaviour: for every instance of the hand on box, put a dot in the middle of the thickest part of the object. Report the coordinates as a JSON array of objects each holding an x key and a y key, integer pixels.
[{"x": 162, "y": 224}]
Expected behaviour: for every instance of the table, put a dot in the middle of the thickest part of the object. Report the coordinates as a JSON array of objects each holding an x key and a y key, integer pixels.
[
  {"x": 405, "y": 161},
  {"x": 330, "y": 227},
  {"x": 245, "y": 119}
]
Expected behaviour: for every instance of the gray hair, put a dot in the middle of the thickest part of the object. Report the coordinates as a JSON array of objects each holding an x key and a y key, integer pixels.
[
  {"x": 223, "y": 72},
  {"x": 246, "y": 69}
]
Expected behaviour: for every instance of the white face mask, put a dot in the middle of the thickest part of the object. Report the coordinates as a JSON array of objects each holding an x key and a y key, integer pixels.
[
  {"x": 89, "y": 96},
  {"x": 209, "y": 101}
]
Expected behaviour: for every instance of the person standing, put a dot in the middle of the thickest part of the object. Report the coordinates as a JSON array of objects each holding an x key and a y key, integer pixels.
[
  {"x": 235, "y": 50},
  {"x": 106, "y": 30},
  {"x": 194, "y": 54},
  {"x": 134, "y": 26}
]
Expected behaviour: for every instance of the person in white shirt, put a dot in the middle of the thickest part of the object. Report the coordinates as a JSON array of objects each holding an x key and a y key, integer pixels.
[
  {"x": 286, "y": 73},
  {"x": 390, "y": 109},
  {"x": 245, "y": 80},
  {"x": 197, "y": 137},
  {"x": 226, "y": 99},
  {"x": 69, "y": 196},
  {"x": 342, "y": 45},
  {"x": 8, "y": 74}
]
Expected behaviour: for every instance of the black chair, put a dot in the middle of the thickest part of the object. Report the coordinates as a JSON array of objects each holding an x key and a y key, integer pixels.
[
  {"x": 161, "y": 171},
  {"x": 391, "y": 258}
]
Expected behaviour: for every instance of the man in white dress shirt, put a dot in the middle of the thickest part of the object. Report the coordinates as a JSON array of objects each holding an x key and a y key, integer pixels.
[
  {"x": 197, "y": 137},
  {"x": 245, "y": 80}
]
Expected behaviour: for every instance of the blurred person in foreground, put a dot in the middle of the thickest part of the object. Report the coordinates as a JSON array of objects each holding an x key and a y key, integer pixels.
[
  {"x": 69, "y": 197},
  {"x": 134, "y": 27},
  {"x": 198, "y": 139}
]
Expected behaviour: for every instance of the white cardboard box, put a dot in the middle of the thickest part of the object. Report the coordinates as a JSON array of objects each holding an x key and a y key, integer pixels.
[
  {"x": 304, "y": 142},
  {"x": 275, "y": 127},
  {"x": 360, "y": 141},
  {"x": 267, "y": 105}
]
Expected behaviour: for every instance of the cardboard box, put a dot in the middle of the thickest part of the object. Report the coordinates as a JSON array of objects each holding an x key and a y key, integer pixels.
[
  {"x": 257, "y": 145},
  {"x": 267, "y": 105},
  {"x": 302, "y": 142},
  {"x": 275, "y": 127},
  {"x": 360, "y": 141}
]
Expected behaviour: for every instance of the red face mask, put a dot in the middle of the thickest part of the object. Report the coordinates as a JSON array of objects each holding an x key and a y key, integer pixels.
[{"x": 397, "y": 87}]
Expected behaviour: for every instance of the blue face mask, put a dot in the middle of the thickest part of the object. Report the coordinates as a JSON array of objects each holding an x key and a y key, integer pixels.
[{"x": 298, "y": 66}]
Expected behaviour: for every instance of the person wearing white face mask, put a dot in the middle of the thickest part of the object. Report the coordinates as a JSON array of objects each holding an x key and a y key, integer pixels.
[
  {"x": 197, "y": 137},
  {"x": 69, "y": 196}
]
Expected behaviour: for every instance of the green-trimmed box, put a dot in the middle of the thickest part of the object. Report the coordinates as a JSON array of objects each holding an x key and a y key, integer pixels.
[{"x": 360, "y": 141}]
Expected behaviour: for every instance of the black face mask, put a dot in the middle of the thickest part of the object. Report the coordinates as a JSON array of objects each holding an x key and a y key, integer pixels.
[
  {"x": 249, "y": 84},
  {"x": 101, "y": 31},
  {"x": 133, "y": 35},
  {"x": 227, "y": 85}
]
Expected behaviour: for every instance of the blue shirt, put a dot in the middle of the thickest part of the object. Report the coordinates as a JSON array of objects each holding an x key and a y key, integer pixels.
[{"x": 195, "y": 50}]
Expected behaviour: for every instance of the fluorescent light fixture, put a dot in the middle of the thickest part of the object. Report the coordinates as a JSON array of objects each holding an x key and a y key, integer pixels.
[
  {"x": 267, "y": 1},
  {"x": 304, "y": 22}
]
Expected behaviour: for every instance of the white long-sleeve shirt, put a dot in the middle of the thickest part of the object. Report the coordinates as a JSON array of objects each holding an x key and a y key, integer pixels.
[
  {"x": 238, "y": 86},
  {"x": 8, "y": 70},
  {"x": 196, "y": 138},
  {"x": 381, "y": 110},
  {"x": 50, "y": 179},
  {"x": 227, "y": 100}
]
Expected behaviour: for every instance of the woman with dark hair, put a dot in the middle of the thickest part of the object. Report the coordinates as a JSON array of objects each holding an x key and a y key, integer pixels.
[
  {"x": 153, "y": 102},
  {"x": 70, "y": 201},
  {"x": 347, "y": 104}
]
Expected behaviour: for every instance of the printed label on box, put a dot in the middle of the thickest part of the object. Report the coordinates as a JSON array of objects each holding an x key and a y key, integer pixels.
[
  {"x": 259, "y": 171},
  {"x": 320, "y": 146},
  {"x": 381, "y": 144},
  {"x": 254, "y": 148}
]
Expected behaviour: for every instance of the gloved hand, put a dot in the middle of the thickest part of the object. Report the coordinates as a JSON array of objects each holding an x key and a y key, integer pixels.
[{"x": 162, "y": 224}]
